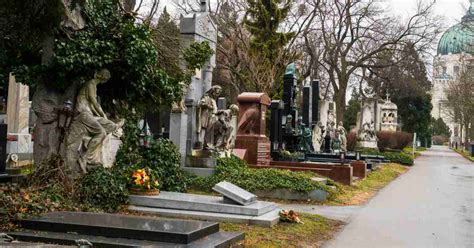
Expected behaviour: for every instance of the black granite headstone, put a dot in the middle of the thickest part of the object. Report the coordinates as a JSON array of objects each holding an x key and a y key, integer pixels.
[
  {"x": 306, "y": 105},
  {"x": 276, "y": 131},
  {"x": 3, "y": 148},
  {"x": 315, "y": 102},
  {"x": 289, "y": 92}
]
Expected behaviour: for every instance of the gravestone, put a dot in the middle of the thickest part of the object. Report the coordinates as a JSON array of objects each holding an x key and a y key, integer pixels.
[
  {"x": 196, "y": 27},
  {"x": 315, "y": 102},
  {"x": 251, "y": 128},
  {"x": 307, "y": 105},
  {"x": 276, "y": 128},
  {"x": 18, "y": 110},
  {"x": 235, "y": 193}
]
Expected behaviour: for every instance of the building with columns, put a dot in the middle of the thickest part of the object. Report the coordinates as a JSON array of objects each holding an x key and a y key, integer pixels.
[{"x": 455, "y": 50}]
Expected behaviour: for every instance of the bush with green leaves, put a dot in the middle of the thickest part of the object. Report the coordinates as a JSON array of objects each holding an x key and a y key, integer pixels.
[
  {"x": 162, "y": 156},
  {"x": 236, "y": 171},
  {"x": 103, "y": 188},
  {"x": 395, "y": 157}
]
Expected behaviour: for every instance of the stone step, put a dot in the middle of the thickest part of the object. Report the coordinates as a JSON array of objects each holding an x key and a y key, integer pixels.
[
  {"x": 122, "y": 226},
  {"x": 203, "y": 203},
  {"x": 266, "y": 220},
  {"x": 218, "y": 239},
  {"x": 322, "y": 180}
]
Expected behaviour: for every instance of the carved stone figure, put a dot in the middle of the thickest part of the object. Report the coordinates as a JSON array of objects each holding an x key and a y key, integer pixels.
[
  {"x": 222, "y": 130},
  {"x": 289, "y": 124},
  {"x": 342, "y": 136},
  {"x": 336, "y": 142},
  {"x": 90, "y": 126},
  {"x": 318, "y": 136},
  {"x": 207, "y": 111},
  {"x": 249, "y": 120},
  {"x": 368, "y": 131}
]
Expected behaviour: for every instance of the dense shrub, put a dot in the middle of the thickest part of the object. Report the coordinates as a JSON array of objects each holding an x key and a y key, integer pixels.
[
  {"x": 394, "y": 156},
  {"x": 236, "y": 171},
  {"x": 352, "y": 141},
  {"x": 162, "y": 157},
  {"x": 393, "y": 140},
  {"x": 103, "y": 188}
]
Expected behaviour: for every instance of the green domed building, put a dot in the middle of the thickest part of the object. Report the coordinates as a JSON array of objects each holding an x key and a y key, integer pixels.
[{"x": 455, "y": 49}]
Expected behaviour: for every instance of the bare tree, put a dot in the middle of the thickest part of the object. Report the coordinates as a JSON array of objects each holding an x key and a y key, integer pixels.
[
  {"x": 460, "y": 95},
  {"x": 347, "y": 37}
]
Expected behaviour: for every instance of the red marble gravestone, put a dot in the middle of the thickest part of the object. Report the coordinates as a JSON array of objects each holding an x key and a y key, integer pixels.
[{"x": 251, "y": 128}]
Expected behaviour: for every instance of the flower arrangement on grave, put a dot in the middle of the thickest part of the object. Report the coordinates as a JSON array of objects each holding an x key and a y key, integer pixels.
[
  {"x": 290, "y": 216},
  {"x": 144, "y": 181}
]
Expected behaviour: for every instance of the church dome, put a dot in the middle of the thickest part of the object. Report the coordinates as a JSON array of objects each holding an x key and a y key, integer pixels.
[{"x": 460, "y": 37}]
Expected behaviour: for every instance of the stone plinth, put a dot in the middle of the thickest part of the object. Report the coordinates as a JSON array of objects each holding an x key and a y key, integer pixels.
[
  {"x": 251, "y": 127},
  {"x": 258, "y": 149},
  {"x": 368, "y": 144}
]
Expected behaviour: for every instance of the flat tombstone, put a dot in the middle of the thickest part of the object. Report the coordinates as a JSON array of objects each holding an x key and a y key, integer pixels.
[{"x": 235, "y": 193}]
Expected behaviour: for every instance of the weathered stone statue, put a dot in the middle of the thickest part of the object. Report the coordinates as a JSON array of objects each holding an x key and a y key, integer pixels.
[
  {"x": 207, "y": 111},
  {"x": 318, "y": 136},
  {"x": 342, "y": 136},
  {"x": 368, "y": 131},
  {"x": 222, "y": 130},
  {"x": 336, "y": 142},
  {"x": 91, "y": 125}
]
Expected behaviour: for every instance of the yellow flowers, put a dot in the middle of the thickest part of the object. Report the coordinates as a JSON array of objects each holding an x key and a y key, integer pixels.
[{"x": 145, "y": 179}]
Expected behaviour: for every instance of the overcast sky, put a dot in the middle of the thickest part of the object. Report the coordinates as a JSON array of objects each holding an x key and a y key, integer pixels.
[{"x": 451, "y": 10}]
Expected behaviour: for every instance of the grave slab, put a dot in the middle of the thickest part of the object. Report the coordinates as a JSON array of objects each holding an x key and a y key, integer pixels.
[
  {"x": 219, "y": 239},
  {"x": 235, "y": 193},
  {"x": 203, "y": 203},
  {"x": 266, "y": 220},
  {"x": 122, "y": 226}
]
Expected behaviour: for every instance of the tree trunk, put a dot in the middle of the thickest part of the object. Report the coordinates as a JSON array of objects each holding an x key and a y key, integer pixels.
[{"x": 340, "y": 99}]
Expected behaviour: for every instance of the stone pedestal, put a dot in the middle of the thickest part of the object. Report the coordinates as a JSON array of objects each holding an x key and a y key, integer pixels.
[
  {"x": 368, "y": 144},
  {"x": 251, "y": 127},
  {"x": 179, "y": 131},
  {"x": 258, "y": 148}
]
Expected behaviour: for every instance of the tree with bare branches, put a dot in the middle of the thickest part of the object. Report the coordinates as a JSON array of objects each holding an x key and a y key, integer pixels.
[
  {"x": 348, "y": 36},
  {"x": 460, "y": 95}
]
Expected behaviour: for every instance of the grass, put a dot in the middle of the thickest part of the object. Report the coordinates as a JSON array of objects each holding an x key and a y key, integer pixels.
[
  {"x": 465, "y": 154},
  {"x": 409, "y": 150},
  {"x": 363, "y": 190},
  {"x": 313, "y": 233}
]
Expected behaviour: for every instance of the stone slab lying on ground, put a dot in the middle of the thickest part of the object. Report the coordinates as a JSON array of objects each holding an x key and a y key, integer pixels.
[
  {"x": 114, "y": 230},
  {"x": 206, "y": 203},
  {"x": 287, "y": 194},
  {"x": 219, "y": 239},
  {"x": 234, "y": 192},
  {"x": 266, "y": 220},
  {"x": 122, "y": 226}
]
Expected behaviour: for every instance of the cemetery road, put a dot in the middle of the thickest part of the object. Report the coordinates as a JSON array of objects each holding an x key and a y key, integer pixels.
[{"x": 432, "y": 205}]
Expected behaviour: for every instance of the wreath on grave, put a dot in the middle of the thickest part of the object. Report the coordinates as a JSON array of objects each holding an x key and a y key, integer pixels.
[
  {"x": 144, "y": 181},
  {"x": 289, "y": 216}
]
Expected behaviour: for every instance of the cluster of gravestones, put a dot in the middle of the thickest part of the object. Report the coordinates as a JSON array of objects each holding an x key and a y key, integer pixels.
[{"x": 293, "y": 128}]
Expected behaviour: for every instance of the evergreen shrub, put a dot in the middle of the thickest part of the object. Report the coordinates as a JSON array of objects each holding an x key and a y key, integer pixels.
[{"x": 234, "y": 170}]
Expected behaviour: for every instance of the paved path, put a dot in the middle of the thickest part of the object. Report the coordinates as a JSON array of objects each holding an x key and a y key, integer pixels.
[{"x": 432, "y": 205}]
